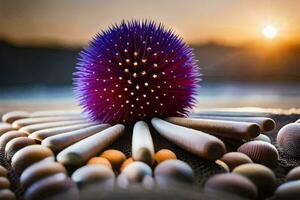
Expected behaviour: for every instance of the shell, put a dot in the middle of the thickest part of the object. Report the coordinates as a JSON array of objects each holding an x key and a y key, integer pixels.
[
  {"x": 16, "y": 144},
  {"x": 4, "y": 183},
  {"x": 115, "y": 157},
  {"x": 99, "y": 161},
  {"x": 136, "y": 171},
  {"x": 29, "y": 155},
  {"x": 57, "y": 186},
  {"x": 234, "y": 159},
  {"x": 12, "y": 116},
  {"x": 263, "y": 138},
  {"x": 231, "y": 183},
  {"x": 125, "y": 163},
  {"x": 260, "y": 152},
  {"x": 289, "y": 190},
  {"x": 89, "y": 175},
  {"x": 294, "y": 174},
  {"x": 7, "y": 194},
  {"x": 261, "y": 176},
  {"x": 40, "y": 170},
  {"x": 164, "y": 154},
  {"x": 3, "y": 171},
  {"x": 288, "y": 139},
  {"x": 6, "y": 137},
  {"x": 173, "y": 172}
]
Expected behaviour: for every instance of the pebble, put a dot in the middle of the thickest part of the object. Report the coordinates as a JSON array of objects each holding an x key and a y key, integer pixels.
[
  {"x": 7, "y": 194},
  {"x": 260, "y": 175},
  {"x": 29, "y": 155},
  {"x": 57, "y": 186},
  {"x": 4, "y": 183},
  {"x": 4, "y": 127},
  {"x": 173, "y": 172},
  {"x": 234, "y": 159},
  {"x": 10, "y": 117},
  {"x": 16, "y": 144},
  {"x": 99, "y": 161},
  {"x": 99, "y": 175},
  {"x": 294, "y": 174},
  {"x": 8, "y": 136},
  {"x": 164, "y": 154},
  {"x": 288, "y": 139},
  {"x": 115, "y": 157},
  {"x": 125, "y": 163},
  {"x": 289, "y": 190},
  {"x": 231, "y": 183},
  {"x": 263, "y": 138},
  {"x": 40, "y": 170},
  {"x": 260, "y": 152},
  {"x": 136, "y": 171},
  {"x": 3, "y": 171}
]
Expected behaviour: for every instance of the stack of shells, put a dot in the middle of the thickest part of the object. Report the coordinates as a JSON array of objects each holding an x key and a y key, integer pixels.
[{"x": 63, "y": 155}]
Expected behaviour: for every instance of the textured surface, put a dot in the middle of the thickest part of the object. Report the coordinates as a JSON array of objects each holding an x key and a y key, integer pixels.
[{"x": 202, "y": 168}]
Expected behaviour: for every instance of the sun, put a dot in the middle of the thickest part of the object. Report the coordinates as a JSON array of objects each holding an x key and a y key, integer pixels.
[{"x": 270, "y": 32}]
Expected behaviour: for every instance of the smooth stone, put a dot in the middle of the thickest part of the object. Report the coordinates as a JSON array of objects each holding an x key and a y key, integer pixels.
[
  {"x": 125, "y": 163},
  {"x": 4, "y": 183},
  {"x": 148, "y": 182},
  {"x": 164, "y": 154},
  {"x": 10, "y": 117},
  {"x": 260, "y": 152},
  {"x": 288, "y": 139},
  {"x": 223, "y": 165},
  {"x": 122, "y": 181},
  {"x": 231, "y": 183},
  {"x": 94, "y": 175},
  {"x": 40, "y": 170},
  {"x": 263, "y": 138},
  {"x": 99, "y": 161},
  {"x": 260, "y": 175},
  {"x": 136, "y": 171},
  {"x": 8, "y": 136},
  {"x": 29, "y": 155},
  {"x": 57, "y": 186},
  {"x": 3, "y": 171},
  {"x": 53, "y": 113},
  {"x": 234, "y": 159},
  {"x": 288, "y": 191},
  {"x": 115, "y": 157},
  {"x": 7, "y": 194},
  {"x": 294, "y": 174},
  {"x": 17, "y": 144},
  {"x": 173, "y": 172},
  {"x": 5, "y": 127}
]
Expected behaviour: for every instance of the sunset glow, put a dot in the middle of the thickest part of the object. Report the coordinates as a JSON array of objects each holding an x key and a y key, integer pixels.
[{"x": 270, "y": 32}]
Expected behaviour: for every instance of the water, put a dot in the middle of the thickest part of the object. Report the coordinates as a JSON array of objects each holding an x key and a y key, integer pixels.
[{"x": 211, "y": 95}]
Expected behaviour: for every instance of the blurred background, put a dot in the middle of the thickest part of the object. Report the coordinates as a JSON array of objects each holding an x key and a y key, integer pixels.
[{"x": 248, "y": 50}]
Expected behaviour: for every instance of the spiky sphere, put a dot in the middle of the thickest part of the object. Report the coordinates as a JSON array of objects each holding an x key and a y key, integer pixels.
[{"x": 136, "y": 71}]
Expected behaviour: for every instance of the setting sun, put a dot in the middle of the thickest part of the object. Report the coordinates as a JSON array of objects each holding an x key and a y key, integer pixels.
[{"x": 270, "y": 32}]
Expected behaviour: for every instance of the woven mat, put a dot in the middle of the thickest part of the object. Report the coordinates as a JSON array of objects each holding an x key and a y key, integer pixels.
[{"x": 202, "y": 168}]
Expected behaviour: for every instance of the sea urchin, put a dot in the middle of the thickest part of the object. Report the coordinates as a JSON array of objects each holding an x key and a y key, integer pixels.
[{"x": 136, "y": 71}]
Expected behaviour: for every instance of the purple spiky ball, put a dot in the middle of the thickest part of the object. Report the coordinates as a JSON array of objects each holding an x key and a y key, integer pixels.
[{"x": 135, "y": 71}]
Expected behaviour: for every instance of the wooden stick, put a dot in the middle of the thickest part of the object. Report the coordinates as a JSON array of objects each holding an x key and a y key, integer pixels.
[
  {"x": 29, "y": 121},
  {"x": 265, "y": 123},
  {"x": 58, "y": 142},
  {"x": 10, "y": 117},
  {"x": 43, "y": 134},
  {"x": 229, "y": 129},
  {"x": 142, "y": 144},
  {"x": 79, "y": 153},
  {"x": 197, "y": 142},
  {"x": 36, "y": 127}
]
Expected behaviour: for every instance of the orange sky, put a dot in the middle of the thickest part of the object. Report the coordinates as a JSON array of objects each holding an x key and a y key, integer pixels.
[{"x": 74, "y": 22}]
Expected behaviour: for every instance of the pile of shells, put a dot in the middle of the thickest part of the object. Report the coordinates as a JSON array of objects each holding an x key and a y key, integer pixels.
[{"x": 43, "y": 146}]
